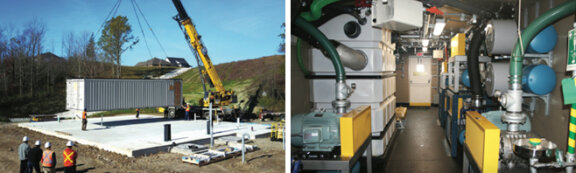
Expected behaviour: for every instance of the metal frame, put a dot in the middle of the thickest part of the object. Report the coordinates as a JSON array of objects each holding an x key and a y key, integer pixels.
[
  {"x": 345, "y": 166},
  {"x": 455, "y": 127},
  {"x": 441, "y": 113}
]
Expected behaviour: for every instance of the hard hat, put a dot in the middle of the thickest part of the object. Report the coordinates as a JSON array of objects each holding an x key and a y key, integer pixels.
[
  {"x": 25, "y": 139},
  {"x": 69, "y": 144},
  {"x": 37, "y": 143},
  {"x": 47, "y": 145}
]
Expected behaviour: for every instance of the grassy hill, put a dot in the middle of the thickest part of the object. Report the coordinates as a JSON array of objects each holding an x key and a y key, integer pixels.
[
  {"x": 244, "y": 77},
  {"x": 241, "y": 76}
]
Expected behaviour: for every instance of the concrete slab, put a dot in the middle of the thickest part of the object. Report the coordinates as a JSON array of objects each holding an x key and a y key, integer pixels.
[{"x": 133, "y": 137}]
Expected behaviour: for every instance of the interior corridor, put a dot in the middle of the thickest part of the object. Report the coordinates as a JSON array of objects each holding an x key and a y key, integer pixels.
[{"x": 419, "y": 147}]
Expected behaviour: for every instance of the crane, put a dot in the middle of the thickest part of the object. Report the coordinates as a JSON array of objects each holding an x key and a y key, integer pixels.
[{"x": 221, "y": 96}]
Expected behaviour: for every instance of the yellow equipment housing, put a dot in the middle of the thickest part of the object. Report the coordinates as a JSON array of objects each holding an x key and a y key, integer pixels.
[
  {"x": 483, "y": 141},
  {"x": 458, "y": 45},
  {"x": 277, "y": 131},
  {"x": 355, "y": 128}
]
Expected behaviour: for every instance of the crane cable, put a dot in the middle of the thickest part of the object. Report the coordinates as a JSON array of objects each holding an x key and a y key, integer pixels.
[
  {"x": 141, "y": 30},
  {"x": 111, "y": 13},
  {"x": 149, "y": 27}
]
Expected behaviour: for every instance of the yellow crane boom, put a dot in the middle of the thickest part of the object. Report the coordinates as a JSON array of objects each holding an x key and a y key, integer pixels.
[{"x": 221, "y": 97}]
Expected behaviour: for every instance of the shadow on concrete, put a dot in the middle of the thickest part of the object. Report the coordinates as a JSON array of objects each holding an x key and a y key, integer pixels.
[{"x": 132, "y": 122}]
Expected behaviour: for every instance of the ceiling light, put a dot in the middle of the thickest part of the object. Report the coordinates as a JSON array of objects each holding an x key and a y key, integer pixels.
[
  {"x": 425, "y": 42},
  {"x": 439, "y": 27}
]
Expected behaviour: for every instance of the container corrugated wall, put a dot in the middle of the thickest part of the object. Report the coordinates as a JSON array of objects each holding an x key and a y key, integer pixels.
[{"x": 114, "y": 94}]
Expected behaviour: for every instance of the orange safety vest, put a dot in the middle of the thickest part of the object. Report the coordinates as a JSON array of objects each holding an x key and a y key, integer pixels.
[
  {"x": 69, "y": 157},
  {"x": 47, "y": 160},
  {"x": 84, "y": 115}
]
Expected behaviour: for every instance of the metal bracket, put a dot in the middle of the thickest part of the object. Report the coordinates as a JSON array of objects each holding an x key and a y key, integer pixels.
[{"x": 532, "y": 104}]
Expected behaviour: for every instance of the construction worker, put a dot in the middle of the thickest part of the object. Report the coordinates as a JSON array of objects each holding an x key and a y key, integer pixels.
[
  {"x": 137, "y": 112},
  {"x": 34, "y": 157},
  {"x": 69, "y": 158},
  {"x": 84, "y": 120},
  {"x": 48, "y": 160},
  {"x": 187, "y": 111},
  {"x": 23, "y": 151}
]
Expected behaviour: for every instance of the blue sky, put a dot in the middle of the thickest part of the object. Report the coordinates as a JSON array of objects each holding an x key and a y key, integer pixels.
[{"x": 231, "y": 30}]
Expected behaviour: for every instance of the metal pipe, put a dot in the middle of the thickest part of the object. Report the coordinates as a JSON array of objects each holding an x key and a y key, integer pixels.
[
  {"x": 569, "y": 163},
  {"x": 426, "y": 25},
  {"x": 210, "y": 124},
  {"x": 533, "y": 162},
  {"x": 342, "y": 90},
  {"x": 513, "y": 97},
  {"x": 326, "y": 44},
  {"x": 244, "y": 147},
  {"x": 353, "y": 59}
]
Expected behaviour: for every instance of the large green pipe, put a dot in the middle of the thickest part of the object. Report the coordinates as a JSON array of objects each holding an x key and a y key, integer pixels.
[
  {"x": 528, "y": 34},
  {"x": 326, "y": 44},
  {"x": 299, "y": 57},
  {"x": 316, "y": 9}
]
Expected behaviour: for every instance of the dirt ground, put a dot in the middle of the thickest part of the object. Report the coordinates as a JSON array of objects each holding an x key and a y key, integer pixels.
[{"x": 270, "y": 158}]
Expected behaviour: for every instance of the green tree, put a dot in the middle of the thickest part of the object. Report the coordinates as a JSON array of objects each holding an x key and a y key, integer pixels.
[
  {"x": 282, "y": 46},
  {"x": 115, "y": 35},
  {"x": 91, "y": 56}
]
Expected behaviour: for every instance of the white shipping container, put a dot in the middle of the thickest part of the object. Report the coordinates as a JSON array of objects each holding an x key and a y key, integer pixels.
[{"x": 114, "y": 94}]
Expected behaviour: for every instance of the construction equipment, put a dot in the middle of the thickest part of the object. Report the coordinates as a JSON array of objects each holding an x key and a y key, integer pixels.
[
  {"x": 245, "y": 112},
  {"x": 277, "y": 132},
  {"x": 215, "y": 155},
  {"x": 221, "y": 96}
]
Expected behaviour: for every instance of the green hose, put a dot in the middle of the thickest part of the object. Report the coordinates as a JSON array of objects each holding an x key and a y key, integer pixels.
[
  {"x": 299, "y": 57},
  {"x": 316, "y": 9},
  {"x": 567, "y": 8},
  {"x": 326, "y": 44}
]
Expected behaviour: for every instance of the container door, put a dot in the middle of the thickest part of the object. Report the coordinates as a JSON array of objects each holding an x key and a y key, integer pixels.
[
  {"x": 177, "y": 93},
  {"x": 420, "y": 76}
]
